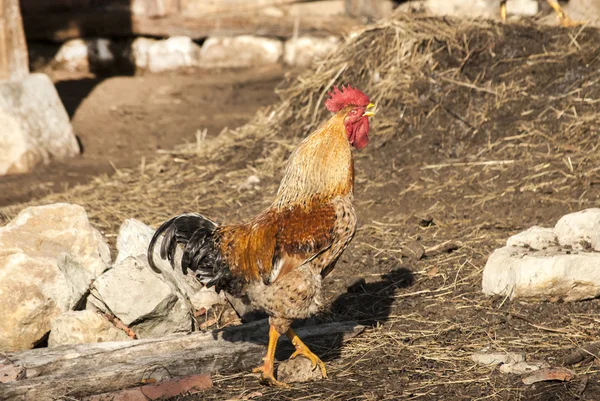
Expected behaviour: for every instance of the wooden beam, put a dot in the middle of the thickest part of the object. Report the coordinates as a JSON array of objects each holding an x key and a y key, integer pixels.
[
  {"x": 62, "y": 26},
  {"x": 244, "y": 24},
  {"x": 87, "y": 369},
  {"x": 13, "y": 48},
  {"x": 150, "y": 8}
]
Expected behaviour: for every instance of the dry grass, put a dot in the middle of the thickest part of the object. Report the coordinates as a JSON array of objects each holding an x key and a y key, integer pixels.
[{"x": 483, "y": 130}]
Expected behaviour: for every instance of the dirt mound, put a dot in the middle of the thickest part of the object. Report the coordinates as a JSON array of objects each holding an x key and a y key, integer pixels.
[{"x": 482, "y": 130}]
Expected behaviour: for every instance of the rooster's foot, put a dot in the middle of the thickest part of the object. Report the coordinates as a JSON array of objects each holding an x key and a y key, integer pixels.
[
  {"x": 302, "y": 349},
  {"x": 565, "y": 21},
  {"x": 270, "y": 380}
]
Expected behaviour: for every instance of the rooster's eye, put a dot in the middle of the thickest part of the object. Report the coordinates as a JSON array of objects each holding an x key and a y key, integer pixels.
[{"x": 353, "y": 112}]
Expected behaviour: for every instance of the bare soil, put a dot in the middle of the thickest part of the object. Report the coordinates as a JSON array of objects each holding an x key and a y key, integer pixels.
[
  {"x": 494, "y": 137},
  {"x": 122, "y": 121}
]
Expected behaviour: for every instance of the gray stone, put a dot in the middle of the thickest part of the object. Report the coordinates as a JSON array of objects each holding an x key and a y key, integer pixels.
[
  {"x": 35, "y": 125},
  {"x": 243, "y": 51},
  {"x": 131, "y": 292},
  {"x": 176, "y": 319},
  {"x": 86, "y": 326},
  {"x": 50, "y": 256},
  {"x": 581, "y": 230},
  {"x": 298, "y": 370}
]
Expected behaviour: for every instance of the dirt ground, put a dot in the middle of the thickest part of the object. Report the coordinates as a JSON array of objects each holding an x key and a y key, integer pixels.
[
  {"x": 498, "y": 134},
  {"x": 122, "y": 121}
]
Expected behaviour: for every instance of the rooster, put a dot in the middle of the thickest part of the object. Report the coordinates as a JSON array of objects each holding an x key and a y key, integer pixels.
[{"x": 279, "y": 258}]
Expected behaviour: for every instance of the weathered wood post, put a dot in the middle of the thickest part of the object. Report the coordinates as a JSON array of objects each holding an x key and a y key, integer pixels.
[
  {"x": 34, "y": 126},
  {"x": 13, "y": 48}
]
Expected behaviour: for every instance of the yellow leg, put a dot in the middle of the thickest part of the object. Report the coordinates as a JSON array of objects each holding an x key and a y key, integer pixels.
[
  {"x": 267, "y": 376},
  {"x": 503, "y": 10},
  {"x": 302, "y": 349},
  {"x": 564, "y": 19}
]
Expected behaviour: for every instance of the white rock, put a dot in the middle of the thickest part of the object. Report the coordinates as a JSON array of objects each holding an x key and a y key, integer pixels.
[
  {"x": 550, "y": 275},
  {"x": 497, "y": 358},
  {"x": 478, "y": 8},
  {"x": 132, "y": 293},
  {"x": 523, "y": 367},
  {"x": 164, "y": 55},
  {"x": 49, "y": 257},
  {"x": 240, "y": 52},
  {"x": 73, "y": 55},
  {"x": 522, "y": 7},
  {"x": 78, "y": 54},
  {"x": 133, "y": 240},
  {"x": 86, "y": 326},
  {"x": 534, "y": 237},
  {"x": 176, "y": 319},
  {"x": 35, "y": 125},
  {"x": 304, "y": 50},
  {"x": 580, "y": 230}
]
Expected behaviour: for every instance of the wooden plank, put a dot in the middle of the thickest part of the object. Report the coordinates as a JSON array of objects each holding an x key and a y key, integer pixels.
[
  {"x": 244, "y": 24},
  {"x": 13, "y": 48},
  {"x": 86, "y": 369},
  {"x": 64, "y": 26},
  {"x": 198, "y": 8},
  {"x": 150, "y": 7}
]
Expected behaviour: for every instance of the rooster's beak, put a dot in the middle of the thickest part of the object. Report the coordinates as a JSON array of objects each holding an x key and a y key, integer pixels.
[{"x": 369, "y": 113}]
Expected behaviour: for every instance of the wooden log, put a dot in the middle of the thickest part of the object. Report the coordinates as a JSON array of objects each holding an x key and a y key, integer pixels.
[
  {"x": 62, "y": 26},
  {"x": 87, "y": 369},
  {"x": 13, "y": 48}
]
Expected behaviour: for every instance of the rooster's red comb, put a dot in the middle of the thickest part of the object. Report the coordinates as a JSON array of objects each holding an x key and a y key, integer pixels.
[{"x": 338, "y": 99}]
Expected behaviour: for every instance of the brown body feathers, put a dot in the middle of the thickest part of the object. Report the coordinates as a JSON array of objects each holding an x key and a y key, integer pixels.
[{"x": 300, "y": 222}]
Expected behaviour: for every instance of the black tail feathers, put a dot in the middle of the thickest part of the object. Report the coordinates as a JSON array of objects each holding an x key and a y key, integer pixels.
[{"x": 200, "y": 254}]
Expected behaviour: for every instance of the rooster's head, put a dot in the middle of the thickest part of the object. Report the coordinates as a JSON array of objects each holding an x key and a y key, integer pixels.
[{"x": 354, "y": 105}]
